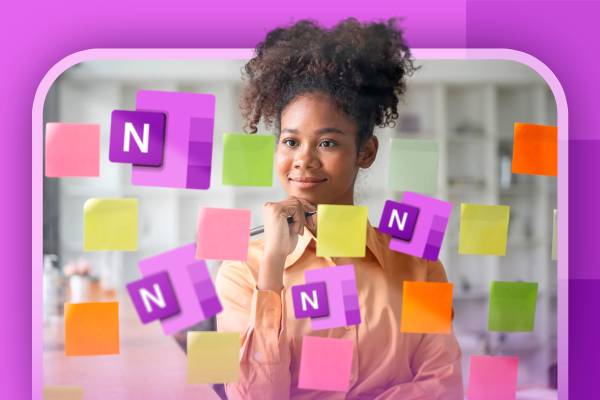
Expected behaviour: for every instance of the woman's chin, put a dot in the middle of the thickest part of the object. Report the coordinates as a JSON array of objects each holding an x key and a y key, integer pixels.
[{"x": 312, "y": 198}]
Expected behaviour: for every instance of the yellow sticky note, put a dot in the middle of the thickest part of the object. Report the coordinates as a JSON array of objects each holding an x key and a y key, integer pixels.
[
  {"x": 213, "y": 357},
  {"x": 483, "y": 229},
  {"x": 63, "y": 393},
  {"x": 110, "y": 224},
  {"x": 341, "y": 230}
]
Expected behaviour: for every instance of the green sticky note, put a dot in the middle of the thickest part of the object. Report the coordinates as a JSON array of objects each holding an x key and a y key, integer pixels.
[
  {"x": 554, "y": 236},
  {"x": 213, "y": 357},
  {"x": 483, "y": 229},
  {"x": 248, "y": 159},
  {"x": 413, "y": 165},
  {"x": 512, "y": 306},
  {"x": 110, "y": 224},
  {"x": 341, "y": 230}
]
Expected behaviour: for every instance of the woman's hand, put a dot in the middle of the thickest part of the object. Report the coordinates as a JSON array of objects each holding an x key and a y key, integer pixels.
[{"x": 281, "y": 238}]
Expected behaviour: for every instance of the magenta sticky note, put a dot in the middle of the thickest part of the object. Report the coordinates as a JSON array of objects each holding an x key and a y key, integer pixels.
[
  {"x": 342, "y": 296},
  {"x": 325, "y": 364},
  {"x": 72, "y": 150},
  {"x": 223, "y": 234},
  {"x": 493, "y": 378},
  {"x": 191, "y": 282},
  {"x": 187, "y": 157}
]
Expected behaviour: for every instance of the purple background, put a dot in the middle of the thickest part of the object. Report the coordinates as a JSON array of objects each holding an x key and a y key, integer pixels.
[{"x": 562, "y": 34}]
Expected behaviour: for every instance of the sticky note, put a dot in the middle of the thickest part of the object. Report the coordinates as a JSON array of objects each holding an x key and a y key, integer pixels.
[
  {"x": 341, "y": 230},
  {"x": 535, "y": 149},
  {"x": 153, "y": 297},
  {"x": 492, "y": 378},
  {"x": 63, "y": 393},
  {"x": 512, "y": 306},
  {"x": 342, "y": 296},
  {"x": 137, "y": 137},
  {"x": 398, "y": 220},
  {"x": 483, "y": 229},
  {"x": 91, "y": 328},
  {"x": 191, "y": 282},
  {"x": 325, "y": 364},
  {"x": 223, "y": 234},
  {"x": 310, "y": 300},
  {"x": 248, "y": 159},
  {"x": 187, "y": 154},
  {"x": 426, "y": 307},
  {"x": 430, "y": 228},
  {"x": 213, "y": 357},
  {"x": 72, "y": 150},
  {"x": 110, "y": 224},
  {"x": 554, "y": 236},
  {"x": 413, "y": 165}
]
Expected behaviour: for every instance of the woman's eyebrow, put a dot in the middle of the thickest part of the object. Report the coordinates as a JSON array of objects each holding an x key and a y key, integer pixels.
[{"x": 320, "y": 131}]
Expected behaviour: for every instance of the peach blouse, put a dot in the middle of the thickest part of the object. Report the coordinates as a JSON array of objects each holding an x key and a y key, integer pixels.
[{"x": 387, "y": 364}]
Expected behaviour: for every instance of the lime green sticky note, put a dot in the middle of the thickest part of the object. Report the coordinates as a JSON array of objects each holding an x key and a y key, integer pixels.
[
  {"x": 213, "y": 357},
  {"x": 248, "y": 159},
  {"x": 483, "y": 229},
  {"x": 554, "y": 236},
  {"x": 512, "y": 306},
  {"x": 110, "y": 224},
  {"x": 413, "y": 165},
  {"x": 341, "y": 230}
]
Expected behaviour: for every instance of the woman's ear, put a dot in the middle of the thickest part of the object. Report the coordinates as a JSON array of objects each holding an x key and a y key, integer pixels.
[{"x": 368, "y": 152}]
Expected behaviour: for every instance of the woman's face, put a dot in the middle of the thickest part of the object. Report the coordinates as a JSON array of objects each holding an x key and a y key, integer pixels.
[{"x": 316, "y": 157}]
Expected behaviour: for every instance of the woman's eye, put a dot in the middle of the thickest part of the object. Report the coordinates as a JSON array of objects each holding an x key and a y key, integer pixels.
[
  {"x": 328, "y": 143},
  {"x": 289, "y": 142}
]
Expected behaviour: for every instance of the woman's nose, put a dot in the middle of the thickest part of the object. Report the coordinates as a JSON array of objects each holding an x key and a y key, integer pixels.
[{"x": 307, "y": 158}]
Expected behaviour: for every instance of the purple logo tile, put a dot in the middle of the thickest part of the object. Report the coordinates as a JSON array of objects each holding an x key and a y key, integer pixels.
[
  {"x": 430, "y": 229},
  {"x": 310, "y": 300},
  {"x": 153, "y": 297},
  {"x": 205, "y": 290},
  {"x": 188, "y": 144},
  {"x": 398, "y": 220},
  {"x": 342, "y": 296},
  {"x": 137, "y": 137},
  {"x": 184, "y": 272}
]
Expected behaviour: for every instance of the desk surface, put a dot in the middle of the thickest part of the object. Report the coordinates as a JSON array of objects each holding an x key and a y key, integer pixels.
[{"x": 151, "y": 365}]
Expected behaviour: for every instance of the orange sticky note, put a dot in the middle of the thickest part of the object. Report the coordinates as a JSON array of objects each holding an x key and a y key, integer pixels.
[
  {"x": 426, "y": 307},
  {"x": 535, "y": 149},
  {"x": 72, "y": 150},
  {"x": 91, "y": 328}
]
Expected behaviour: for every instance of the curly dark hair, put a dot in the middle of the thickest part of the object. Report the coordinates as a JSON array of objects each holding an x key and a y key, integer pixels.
[{"x": 362, "y": 66}]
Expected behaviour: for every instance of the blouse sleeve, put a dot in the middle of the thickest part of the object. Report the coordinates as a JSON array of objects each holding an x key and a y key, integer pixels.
[{"x": 259, "y": 317}]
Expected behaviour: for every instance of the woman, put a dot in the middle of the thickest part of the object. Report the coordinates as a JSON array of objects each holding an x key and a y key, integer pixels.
[{"x": 324, "y": 91}]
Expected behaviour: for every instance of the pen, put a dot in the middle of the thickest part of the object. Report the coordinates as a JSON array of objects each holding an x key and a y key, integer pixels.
[{"x": 260, "y": 229}]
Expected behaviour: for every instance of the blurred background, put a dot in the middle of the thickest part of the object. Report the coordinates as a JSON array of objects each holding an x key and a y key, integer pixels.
[{"x": 469, "y": 107}]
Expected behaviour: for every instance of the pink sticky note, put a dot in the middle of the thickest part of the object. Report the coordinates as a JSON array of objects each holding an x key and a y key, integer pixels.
[
  {"x": 325, "y": 364},
  {"x": 493, "y": 378},
  {"x": 223, "y": 234},
  {"x": 72, "y": 150}
]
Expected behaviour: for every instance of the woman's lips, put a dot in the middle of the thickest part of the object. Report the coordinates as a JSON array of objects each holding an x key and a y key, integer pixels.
[{"x": 306, "y": 183}]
